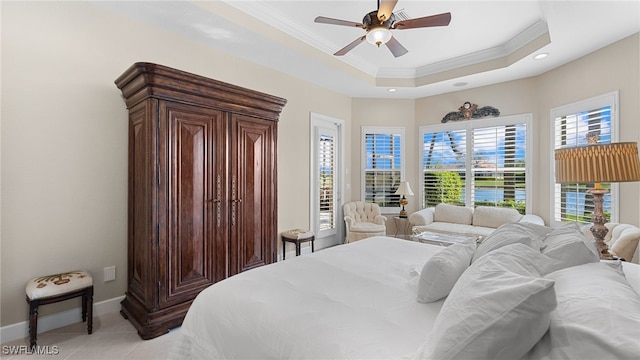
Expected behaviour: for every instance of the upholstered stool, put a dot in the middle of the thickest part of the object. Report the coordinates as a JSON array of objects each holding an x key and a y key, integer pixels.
[
  {"x": 58, "y": 287},
  {"x": 297, "y": 236}
]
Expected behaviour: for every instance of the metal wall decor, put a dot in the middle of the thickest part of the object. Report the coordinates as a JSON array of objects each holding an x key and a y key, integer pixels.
[{"x": 470, "y": 111}]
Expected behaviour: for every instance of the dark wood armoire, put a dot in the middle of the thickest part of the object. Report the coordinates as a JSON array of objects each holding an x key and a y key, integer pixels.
[{"x": 202, "y": 188}]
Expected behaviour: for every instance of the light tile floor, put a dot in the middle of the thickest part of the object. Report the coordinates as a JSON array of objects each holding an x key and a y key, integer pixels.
[{"x": 113, "y": 338}]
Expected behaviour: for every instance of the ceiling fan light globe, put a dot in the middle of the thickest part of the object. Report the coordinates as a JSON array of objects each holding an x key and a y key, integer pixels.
[{"x": 378, "y": 36}]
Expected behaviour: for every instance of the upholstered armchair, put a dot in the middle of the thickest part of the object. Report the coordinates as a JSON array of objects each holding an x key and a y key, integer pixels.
[
  {"x": 622, "y": 240},
  {"x": 363, "y": 220}
]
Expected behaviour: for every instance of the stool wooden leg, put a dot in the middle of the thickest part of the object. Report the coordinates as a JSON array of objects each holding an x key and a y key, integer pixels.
[
  {"x": 297, "y": 248},
  {"x": 313, "y": 240},
  {"x": 33, "y": 323},
  {"x": 283, "y": 248},
  {"x": 88, "y": 309}
]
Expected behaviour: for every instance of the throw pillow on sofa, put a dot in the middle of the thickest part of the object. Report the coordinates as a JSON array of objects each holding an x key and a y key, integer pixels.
[
  {"x": 493, "y": 217},
  {"x": 453, "y": 214}
]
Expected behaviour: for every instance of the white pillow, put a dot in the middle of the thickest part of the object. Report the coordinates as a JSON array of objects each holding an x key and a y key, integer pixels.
[
  {"x": 442, "y": 270},
  {"x": 598, "y": 315},
  {"x": 491, "y": 216},
  {"x": 498, "y": 309},
  {"x": 453, "y": 214},
  {"x": 506, "y": 235},
  {"x": 569, "y": 245}
]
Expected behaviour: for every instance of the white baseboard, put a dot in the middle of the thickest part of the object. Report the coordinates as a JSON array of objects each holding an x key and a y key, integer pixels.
[{"x": 45, "y": 323}]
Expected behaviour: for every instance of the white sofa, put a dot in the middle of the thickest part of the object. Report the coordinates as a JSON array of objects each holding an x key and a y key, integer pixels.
[
  {"x": 482, "y": 220},
  {"x": 622, "y": 240}
]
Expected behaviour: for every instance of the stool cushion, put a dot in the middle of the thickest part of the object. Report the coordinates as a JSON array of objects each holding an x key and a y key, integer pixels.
[
  {"x": 56, "y": 284},
  {"x": 297, "y": 234}
]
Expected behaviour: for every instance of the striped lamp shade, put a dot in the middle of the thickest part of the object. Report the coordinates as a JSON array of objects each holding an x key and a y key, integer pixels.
[{"x": 616, "y": 162}]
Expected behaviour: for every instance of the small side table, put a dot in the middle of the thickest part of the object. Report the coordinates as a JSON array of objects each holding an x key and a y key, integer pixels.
[
  {"x": 297, "y": 236},
  {"x": 401, "y": 225}
]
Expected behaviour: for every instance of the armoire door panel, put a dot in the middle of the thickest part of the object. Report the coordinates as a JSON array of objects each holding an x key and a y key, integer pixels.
[
  {"x": 190, "y": 236},
  {"x": 253, "y": 169},
  {"x": 140, "y": 201}
]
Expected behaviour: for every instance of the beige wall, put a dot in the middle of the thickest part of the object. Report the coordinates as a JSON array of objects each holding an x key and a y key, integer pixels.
[
  {"x": 64, "y": 132},
  {"x": 615, "y": 67},
  {"x": 64, "y": 138}
]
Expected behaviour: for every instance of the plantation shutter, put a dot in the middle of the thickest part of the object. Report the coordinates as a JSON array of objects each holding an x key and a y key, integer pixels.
[
  {"x": 327, "y": 163},
  {"x": 579, "y": 129},
  {"x": 444, "y": 167},
  {"x": 498, "y": 165},
  {"x": 382, "y": 168}
]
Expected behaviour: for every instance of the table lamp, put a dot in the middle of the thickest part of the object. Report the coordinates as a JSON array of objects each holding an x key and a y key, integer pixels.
[
  {"x": 615, "y": 162},
  {"x": 404, "y": 189}
]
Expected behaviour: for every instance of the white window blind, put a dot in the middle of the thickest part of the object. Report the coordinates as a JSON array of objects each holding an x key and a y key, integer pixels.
[
  {"x": 499, "y": 166},
  {"x": 327, "y": 163},
  {"x": 589, "y": 123},
  {"x": 382, "y": 171},
  {"x": 444, "y": 164},
  {"x": 478, "y": 162}
]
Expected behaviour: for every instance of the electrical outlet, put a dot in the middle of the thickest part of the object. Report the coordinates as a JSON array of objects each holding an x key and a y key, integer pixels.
[{"x": 109, "y": 273}]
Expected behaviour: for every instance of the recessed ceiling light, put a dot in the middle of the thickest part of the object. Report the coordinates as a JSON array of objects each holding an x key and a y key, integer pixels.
[
  {"x": 391, "y": 89},
  {"x": 462, "y": 83},
  {"x": 540, "y": 56}
]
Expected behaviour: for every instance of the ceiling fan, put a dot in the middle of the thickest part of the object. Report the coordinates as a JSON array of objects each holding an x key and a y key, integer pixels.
[{"x": 379, "y": 24}]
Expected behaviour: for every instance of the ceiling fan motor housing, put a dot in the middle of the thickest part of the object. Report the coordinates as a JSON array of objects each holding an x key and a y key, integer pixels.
[{"x": 371, "y": 21}]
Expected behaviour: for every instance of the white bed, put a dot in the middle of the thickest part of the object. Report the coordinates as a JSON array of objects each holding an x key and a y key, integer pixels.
[{"x": 355, "y": 301}]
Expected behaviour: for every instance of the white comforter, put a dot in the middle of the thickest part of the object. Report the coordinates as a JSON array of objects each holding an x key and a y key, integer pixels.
[{"x": 355, "y": 301}]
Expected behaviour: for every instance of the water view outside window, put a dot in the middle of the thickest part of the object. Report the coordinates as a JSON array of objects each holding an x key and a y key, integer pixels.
[
  {"x": 475, "y": 165},
  {"x": 572, "y": 203}
]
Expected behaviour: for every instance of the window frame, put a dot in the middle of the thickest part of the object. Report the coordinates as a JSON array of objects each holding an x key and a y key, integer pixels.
[
  {"x": 608, "y": 99},
  {"x": 386, "y": 130},
  {"x": 468, "y": 127}
]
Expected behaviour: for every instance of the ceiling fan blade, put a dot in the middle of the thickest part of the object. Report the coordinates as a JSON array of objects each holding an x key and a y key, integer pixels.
[
  {"x": 386, "y": 9},
  {"x": 326, "y": 20},
  {"x": 396, "y": 48},
  {"x": 349, "y": 47},
  {"x": 434, "y": 20}
]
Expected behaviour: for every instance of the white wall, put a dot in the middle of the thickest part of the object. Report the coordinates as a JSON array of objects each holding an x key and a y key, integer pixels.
[{"x": 64, "y": 138}]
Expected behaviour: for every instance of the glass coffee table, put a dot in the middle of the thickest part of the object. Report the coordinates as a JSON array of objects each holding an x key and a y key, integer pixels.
[{"x": 444, "y": 239}]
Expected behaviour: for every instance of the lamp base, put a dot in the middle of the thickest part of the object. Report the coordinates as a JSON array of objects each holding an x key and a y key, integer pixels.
[
  {"x": 403, "y": 202},
  {"x": 598, "y": 229}
]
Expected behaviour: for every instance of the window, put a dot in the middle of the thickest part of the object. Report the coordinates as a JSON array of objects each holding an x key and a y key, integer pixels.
[
  {"x": 383, "y": 165},
  {"x": 327, "y": 181},
  {"x": 477, "y": 162},
  {"x": 325, "y": 193},
  {"x": 578, "y": 124}
]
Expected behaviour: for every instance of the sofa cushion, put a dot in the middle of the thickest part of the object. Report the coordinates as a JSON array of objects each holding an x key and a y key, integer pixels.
[
  {"x": 490, "y": 216},
  {"x": 368, "y": 227},
  {"x": 453, "y": 214}
]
